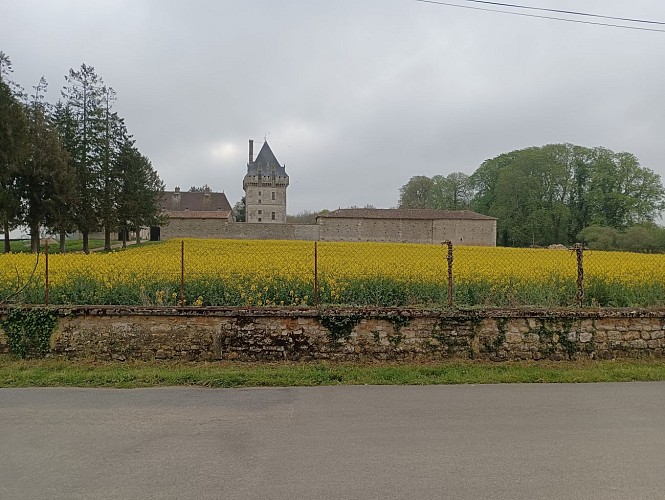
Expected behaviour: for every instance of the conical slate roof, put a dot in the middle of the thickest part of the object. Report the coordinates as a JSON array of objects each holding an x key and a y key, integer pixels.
[{"x": 266, "y": 161}]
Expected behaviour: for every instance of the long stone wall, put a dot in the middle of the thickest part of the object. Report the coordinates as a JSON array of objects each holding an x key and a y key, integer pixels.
[
  {"x": 461, "y": 232},
  {"x": 216, "y": 228},
  {"x": 197, "y": 334}
]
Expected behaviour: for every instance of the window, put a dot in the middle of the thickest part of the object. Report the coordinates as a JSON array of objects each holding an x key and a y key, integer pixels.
[
  {"x": 260, "y": 212},
  {"x": 272, "y": 216},
  {"x": 259, "y": 201},
  {"x": 259, "y": 219},
  {"x": 273, "y": 195},
  {"x": 259, "y": 193}
]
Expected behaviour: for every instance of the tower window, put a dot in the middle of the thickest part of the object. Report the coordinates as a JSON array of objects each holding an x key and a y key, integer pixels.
[
  {"x": 272, "y": 216},
  {"x": 259, "y": 201},
  {"x": 260, "y": 212},
  {"x": 273, "y": 195},
  {"x": 259, "y": 219},
  {"x": 259, "y": 193}
]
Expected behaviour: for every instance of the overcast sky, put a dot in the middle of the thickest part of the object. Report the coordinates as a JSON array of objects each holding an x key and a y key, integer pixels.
[{"x": 354, "y": 96}]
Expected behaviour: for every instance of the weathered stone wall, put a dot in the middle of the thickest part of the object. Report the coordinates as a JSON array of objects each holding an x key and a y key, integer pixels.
[
  {"x": 106, "y": 333},
  {"x": 465, "y": 232},
  {"x": 262, "y": 201},
  {"x": 215, "y": 228},
  {"x": 461, "y": 232}
]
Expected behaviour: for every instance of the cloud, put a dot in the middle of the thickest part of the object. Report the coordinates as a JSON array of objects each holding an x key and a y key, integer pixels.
[{"x": 355, "y": 97}]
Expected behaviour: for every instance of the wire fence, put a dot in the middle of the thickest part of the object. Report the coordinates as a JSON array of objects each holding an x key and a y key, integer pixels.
[{"x": 244, "y": 273}]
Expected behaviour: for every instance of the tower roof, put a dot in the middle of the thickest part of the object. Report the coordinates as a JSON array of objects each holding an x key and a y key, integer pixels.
[{"x": 265, "y": 161}]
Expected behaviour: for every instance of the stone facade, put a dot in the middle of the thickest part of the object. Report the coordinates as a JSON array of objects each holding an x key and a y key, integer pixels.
[
  {"x": 223, "y": 229},
  {"x": 197, "y": 334},
  {"x": 408, "y": 226},
  {"x": 265, "y": 187}
]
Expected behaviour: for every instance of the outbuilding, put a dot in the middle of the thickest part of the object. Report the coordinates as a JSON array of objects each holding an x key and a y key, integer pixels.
[{"x": 461, "y": 227}]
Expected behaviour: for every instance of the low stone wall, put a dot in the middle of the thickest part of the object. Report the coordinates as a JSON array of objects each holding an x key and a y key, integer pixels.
[
  {"x": 193, "y": 334},
  {"x": 219, "y": 228}
]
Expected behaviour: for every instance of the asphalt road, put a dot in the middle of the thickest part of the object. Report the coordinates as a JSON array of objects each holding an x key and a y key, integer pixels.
[{"x": 590, "y": 441}]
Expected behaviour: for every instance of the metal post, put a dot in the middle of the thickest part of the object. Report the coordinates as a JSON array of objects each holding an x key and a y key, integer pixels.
[
  {"x": 46, "y": 269},
  {"x": 316, "y": 276},
  {"x": 182, "y": 273},
  {"x": 449, "y": 258},
  {"x": 579, "y": 251}
]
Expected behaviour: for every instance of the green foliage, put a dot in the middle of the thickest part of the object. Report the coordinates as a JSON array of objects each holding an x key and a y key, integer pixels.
[
  {"x": 140, "y": 191},
  {"x": 60, "y": 166},
  {"x": 29, "y": 331},
  {"x": 53, "y": 373},
  {"x": 643, "y": 238},
  {"x": 545, "y": 195},
  {"x": 555, "y": 292},
  {"x": 452, "y": 192},
  {"x": 339, "y": 327},
  {"x": 240, "y": 210}
]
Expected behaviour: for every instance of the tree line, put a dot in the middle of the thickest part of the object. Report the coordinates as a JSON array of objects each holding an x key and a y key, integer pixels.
[
  {"x": 550, "y": 194},
  {"x": 72, "y": 165}
]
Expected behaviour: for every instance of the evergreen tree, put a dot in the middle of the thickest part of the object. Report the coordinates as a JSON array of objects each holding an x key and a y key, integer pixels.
[
  {"x": 140, "y": 192},
  {"x": 13, "y": 148},
  {"x": 83, "y": 96},
  {"x": 114, "y": 137},
  {"x": 44, "y": 178}
]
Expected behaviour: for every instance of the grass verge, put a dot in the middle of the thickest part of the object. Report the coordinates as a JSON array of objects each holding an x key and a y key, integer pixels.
[{"x": 59, "y": 373}]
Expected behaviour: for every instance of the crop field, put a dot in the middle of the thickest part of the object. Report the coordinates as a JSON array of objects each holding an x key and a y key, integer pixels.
[{"x": 281, "y": 273}]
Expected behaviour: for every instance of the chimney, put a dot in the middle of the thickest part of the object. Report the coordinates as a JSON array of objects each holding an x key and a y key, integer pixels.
[{"x": 251, "y": 150}]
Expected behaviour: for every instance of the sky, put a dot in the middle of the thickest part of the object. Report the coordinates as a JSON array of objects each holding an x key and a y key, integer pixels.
[{"x": 354, "y": 96}]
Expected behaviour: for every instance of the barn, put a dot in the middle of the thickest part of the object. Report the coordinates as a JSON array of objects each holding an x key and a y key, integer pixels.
[
  {"x": 200, "y": 214},
  {"x": 462, "y": 227}
]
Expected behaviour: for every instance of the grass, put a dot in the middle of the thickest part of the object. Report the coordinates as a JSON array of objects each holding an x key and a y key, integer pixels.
[
  {"x": 23, "y": 246},
  {"x": 61, "y": 373}
]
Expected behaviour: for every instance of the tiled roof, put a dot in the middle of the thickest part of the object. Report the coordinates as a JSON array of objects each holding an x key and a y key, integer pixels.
[
  {"x": 266, "y": 161},
  {"x": 197, "y": 201},
  {"x": 198, "y": 214},
  {"x": 404, "y": 213}
]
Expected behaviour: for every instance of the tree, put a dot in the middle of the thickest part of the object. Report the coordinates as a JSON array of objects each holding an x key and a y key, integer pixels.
[
  {"x": 44, "y": 178},
  {"x": 13, "y": 148},
  {"x": 114, "y": 135},
  {"x": 548, "y": 194},
  {"x": 200, "y": 189},
  {"x": 240, "y": 210},
  {"x": 451, "y": 192},
  {"x": 140, "y": 192},
  {"x": 63, "y": 219},
  {"x": 83, "y": 97},
  {"x": 416, "y": 193}
]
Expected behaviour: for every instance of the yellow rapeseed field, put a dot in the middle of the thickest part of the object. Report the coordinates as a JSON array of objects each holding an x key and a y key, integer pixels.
[{"x": 243, "y": 272}]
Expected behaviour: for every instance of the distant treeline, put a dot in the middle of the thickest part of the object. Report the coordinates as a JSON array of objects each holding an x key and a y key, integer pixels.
[
  {"x": 559, "y": 193},
  {"x": 70, "y": 165}
]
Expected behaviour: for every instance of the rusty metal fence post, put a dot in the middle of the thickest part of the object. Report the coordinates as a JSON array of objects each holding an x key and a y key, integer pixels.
[
  {"x": 579, "y": 251},
  {"x": 182, "y": 273},
  {"x": 46, "y": 269},
  {"x": 449, "y": 258},
  {"x": 316, "y": 275}
]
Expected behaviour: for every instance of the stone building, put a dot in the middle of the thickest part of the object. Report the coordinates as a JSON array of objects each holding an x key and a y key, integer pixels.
[
  {"x": 461, "y": 227},
  {"x": 265, "y": 187},
  {"x": 200, "y": 214}
]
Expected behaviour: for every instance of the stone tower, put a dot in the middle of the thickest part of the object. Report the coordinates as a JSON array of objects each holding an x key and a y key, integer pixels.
[{"x": 265, "y": 187}]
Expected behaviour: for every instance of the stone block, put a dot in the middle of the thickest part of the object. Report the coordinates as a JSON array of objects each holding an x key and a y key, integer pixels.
[
  {"x": 513, "y": 337},
  {"x": 586, "y": 337}
]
